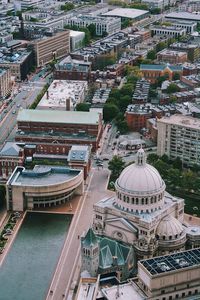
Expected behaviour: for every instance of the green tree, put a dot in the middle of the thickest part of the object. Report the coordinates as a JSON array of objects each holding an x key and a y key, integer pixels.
[
  {"x": 152, "y": 158},
  {"x": 151, "y": 55},
  {"x": 110, "y": 111},
  {"x": 124, "y": 101},
  {"x": 67, "y": 6},
  {"x": 2, "y": 195},
  {"x": 176, "y": 76},
  {"x": 92, "y": 30},
  {"x": 122, "y": 127},
  {"x": 172, "y": 99},
  {"x": 160, "y": 46},
  {"x": 83, "y": 107},
  {"x": 172, "y": 88},
  {"x": 116, "y": 165}
]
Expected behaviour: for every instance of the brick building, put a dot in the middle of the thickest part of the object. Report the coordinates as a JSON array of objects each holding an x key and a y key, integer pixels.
[
  {"x": 153, "y": 72},
  {"x": 54, "y": 132},
  {"x": 136, "y": 117},
  {"x": 172, "y": 56},
  {"x": 73, "y": 69},
  {"x": 11, "y": 155}
]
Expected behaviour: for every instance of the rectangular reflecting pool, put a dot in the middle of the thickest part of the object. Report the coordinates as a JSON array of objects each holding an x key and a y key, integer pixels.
[{"x": 28, "y": 268}]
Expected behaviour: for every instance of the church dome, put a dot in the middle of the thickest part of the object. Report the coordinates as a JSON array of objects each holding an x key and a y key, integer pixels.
[
  {"x": 140, "y": 187},
  {"x": 140, "y": 178},
  {"x": 169, "y": 228}
]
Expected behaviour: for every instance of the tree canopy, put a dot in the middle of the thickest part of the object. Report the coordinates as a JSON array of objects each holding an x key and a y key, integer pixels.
[{"x": 116, "y": 165}]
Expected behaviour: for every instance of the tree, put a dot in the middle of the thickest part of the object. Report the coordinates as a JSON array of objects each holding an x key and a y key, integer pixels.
[
  {"x": 152, "y": 158},
  {"x": 151, "y": 55},
  {"x": 83, "y": 107},
  {"x": 67, "y": 6},
  {"x": 116, "y": 165},
  {"x": 124, "y": 101},
  {"x": 92, "y": 30},
  {"x": 176, "y": 76},
  {"x": 172, "y": 99},
  {"x": 127, "y": 89},
  {"x": 2, "y": 194},
  {"x": 122, "y": 127},
  {"x": 161, "y": 79},
  {"x": 160, "y": 46},
  {"x": 172, "y": 88},
  {"x": 110, "y": 111}
]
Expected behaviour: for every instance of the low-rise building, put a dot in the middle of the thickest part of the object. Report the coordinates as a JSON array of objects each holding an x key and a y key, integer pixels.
[
  {"x": 54, "y": 132},
  {"x": 5, "y": 83},
  {"x": 179, "y": 136},
  {"x": 19, "y": 62},
  {"x": 73, "y": 69},
  {"x": 153, "y": 72},
  {"x": 76, "y": 40},
  {"x": 141, "y": 92},
  {"x": 171, "y": 56},
  {"x": 43, "y": 186},
  {"x": 101, "y": 96},
  {"x": 136, "y": 117},
  {"x": 191, "y": 80},
  {"x": 193, "y": 50},
  {"x": 51, "y": 48},
  {"x": 79, "y": 157},
  {"x": 171, "y": 31},
  {"x": 128, "y": 13},
  {"x": 11, "y": 155},
  {"x": 173, "y": 276},
  {"x": 103, "y": 25},
  {"x": 190, "y": 26},
  {"x": 63, "y": 95},
  {"x": 183, "y": 16}
]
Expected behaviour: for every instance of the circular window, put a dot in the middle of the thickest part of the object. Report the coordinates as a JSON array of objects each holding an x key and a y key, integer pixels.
[{"x": 119, "y": 234}]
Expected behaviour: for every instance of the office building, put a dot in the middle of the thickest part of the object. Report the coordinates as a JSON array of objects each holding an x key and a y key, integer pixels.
[{"x": 51, "y": 48}]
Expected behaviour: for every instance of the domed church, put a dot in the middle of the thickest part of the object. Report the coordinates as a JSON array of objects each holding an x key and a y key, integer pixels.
[{"x": 143, "y": 215}]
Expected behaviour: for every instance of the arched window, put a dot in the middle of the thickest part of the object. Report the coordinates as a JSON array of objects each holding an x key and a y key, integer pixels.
[
  {"x": 136, "y": 200},
  {"x": 127, "y": 199},
  {"x": 142, "y": 200},
  {"x": 133, "y": 200},
  {"x": 146, "y": 200}
]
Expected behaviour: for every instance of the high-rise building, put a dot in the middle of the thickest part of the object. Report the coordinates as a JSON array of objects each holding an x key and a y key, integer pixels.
[{"x": 179, "y": 136}]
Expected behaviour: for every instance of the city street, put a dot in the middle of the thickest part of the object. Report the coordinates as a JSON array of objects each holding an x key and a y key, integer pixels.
[
  {"x": 63, "y": 276},
  {"x": 8, "y": 118}
]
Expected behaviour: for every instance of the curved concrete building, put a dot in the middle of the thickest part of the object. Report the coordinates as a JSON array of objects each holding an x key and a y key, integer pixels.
[{"x": 44, "y": 186}]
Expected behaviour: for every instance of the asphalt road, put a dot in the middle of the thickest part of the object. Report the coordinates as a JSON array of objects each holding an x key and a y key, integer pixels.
[
  {"x": 82, "y": 219},
  {"x": 25, "y": 97}
]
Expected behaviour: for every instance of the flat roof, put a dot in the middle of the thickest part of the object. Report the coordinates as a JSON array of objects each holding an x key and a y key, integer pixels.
[
  {"x": 183, "y": 16},
  {"x": 180, "y": 120},
  {"x": 169, "y": 263},
  {"x": 61, "y": 90},
  {"x": 125, "y": 291},
  {"x": 56, "y": 116},
  {"x": 42, "y": 175},
  {"x": 130, "y": 13}
]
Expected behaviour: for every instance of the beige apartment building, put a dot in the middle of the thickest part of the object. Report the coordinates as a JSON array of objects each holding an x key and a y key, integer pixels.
[
  {"x": 5, "y": 83},
  {"x": 50, "y": 48},
  {"x": 179, "y": 136}
]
